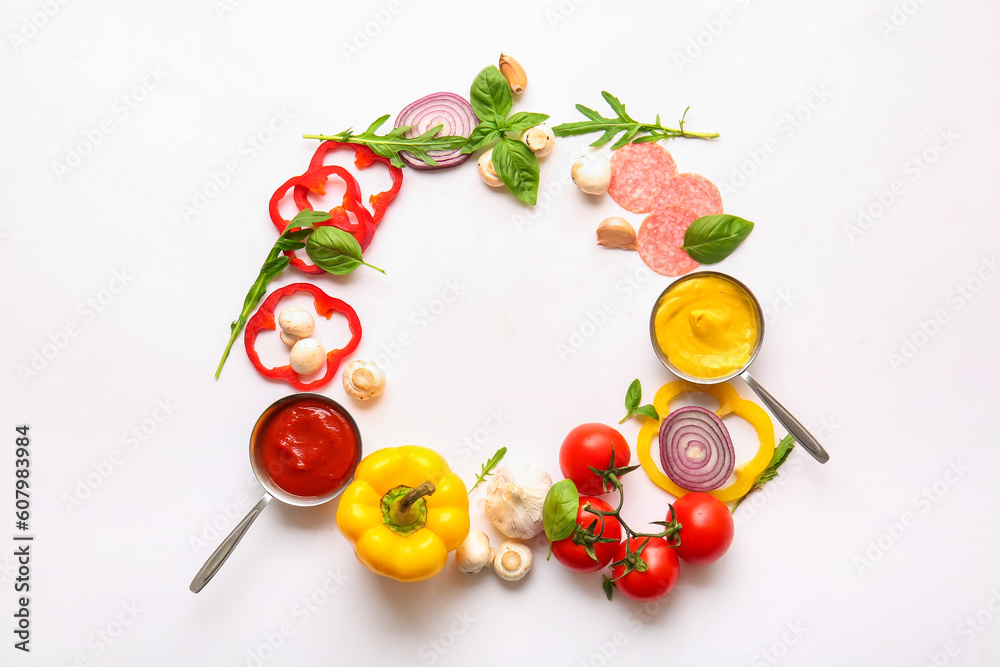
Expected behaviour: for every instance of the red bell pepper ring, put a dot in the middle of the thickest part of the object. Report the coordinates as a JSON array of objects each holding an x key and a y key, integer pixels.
[
  {"x": 364, "y": 157},
  {"x": 326, "y": 305},
  {"x": 315, "y": 180}
]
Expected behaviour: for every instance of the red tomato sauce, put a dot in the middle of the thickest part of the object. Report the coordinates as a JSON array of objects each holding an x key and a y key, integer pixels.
[{"x": 309, "y": 448}]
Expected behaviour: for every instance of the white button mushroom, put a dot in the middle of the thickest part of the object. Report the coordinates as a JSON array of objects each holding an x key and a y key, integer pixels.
[
  {"x": 487, "y": 172},
  {"x": 307, "y": 356},
  {"x": 592, "y": 173},
  {"x": 363, "y": 380},
  {"x": 512, "y": 561},
  {"x": 540, "y": 139},
  {"x": 475, "y": 553},
  {"x": 295, "y": 323}
]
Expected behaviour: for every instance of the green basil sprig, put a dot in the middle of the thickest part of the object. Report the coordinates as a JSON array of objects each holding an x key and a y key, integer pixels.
[
  {"x": 632, "y": 398},
  {"x": 559, "y": 511},
  {"x": 712, "y": 238},
  {"x": 333, "y": 250},
  {"x": 513, "y": 161}
]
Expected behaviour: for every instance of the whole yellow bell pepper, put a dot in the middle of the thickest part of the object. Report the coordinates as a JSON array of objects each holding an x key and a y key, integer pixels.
[
  {"x": 404, "y": 511},
  {"x": 729, "y": 402}
]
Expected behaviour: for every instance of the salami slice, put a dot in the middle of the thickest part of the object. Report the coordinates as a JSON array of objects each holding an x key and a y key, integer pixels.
[
  {"x": 638, "y": 172},
  {"x": 661, "y": 239},
  {"x": 691, "y": 191}
]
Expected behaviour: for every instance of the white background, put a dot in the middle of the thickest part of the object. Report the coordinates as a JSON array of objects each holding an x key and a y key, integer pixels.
[{"x": 826, "y": 110}]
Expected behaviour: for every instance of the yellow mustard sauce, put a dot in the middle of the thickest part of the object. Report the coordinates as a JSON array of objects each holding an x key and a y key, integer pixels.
[{"x": 707, "y": 326}]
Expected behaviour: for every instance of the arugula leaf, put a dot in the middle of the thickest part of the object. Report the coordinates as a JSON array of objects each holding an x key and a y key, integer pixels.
[
  {"x": 632, "y": 398},
  {"x": 517, "y": 167},
  {"x": 335, "y": 251},
  {"x": 389, "y": 145},
  {"x": 712, "y": 238},
  {"x": 781, "y": 453},
  {"x": 489, "y": 467},
  {"x": 625, "y": 124}
]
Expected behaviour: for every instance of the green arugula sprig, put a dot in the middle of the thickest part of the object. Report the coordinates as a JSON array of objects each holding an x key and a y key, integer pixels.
[
  {"x": 513, "y": 161},
  {"x": 389, "y": 145},
  {"x": 489, "y": 467},
  {"x": 781, "y": 453},
  {"x": 333, "y": 250},
  {"x": 632, "y": 398},
  {"x": 623, "y": 123}
]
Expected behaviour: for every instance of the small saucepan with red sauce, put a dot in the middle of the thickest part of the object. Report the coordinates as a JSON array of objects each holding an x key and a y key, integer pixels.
[{"x": 304, "y": 450}]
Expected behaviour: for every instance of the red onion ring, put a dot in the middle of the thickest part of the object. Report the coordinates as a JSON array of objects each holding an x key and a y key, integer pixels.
[
  {"x": 448, "y": 109},
  {"x": 695, "y": 449}
]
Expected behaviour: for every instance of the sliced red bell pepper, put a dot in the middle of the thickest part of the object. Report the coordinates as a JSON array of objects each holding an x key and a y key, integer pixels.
[
  {"x": 326, "y": 305},
  {"x": 364, "y": 157},
  {"x": 315, "y": 180}
]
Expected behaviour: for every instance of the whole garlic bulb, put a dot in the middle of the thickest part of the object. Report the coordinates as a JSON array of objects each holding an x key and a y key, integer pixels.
[{"x": 514, "y": 499}]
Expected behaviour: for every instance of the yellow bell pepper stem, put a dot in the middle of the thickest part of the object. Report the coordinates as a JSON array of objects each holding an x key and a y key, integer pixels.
[
  {"x": 402, "y": 509},
  {"x": 729, "y": 403}
]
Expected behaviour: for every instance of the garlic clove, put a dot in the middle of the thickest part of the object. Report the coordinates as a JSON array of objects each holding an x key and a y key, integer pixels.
[
  {"x": 616, "y": 232},
  {"x": 514, "y": 73},
  {"x": 514, "y": 499}
]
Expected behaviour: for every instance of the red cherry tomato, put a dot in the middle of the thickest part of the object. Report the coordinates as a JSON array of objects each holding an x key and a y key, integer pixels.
[
  {"x": 591, "y": 445},
  {"x": 575, "y": 556},
  {"x": 706, "y": 528},
  {"x": 662, "y": 570}
]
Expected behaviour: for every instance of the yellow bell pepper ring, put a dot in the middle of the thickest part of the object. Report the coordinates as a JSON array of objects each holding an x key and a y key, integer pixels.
[
  {"x": 404, "y": 511},
  {"x": 729, "y": 402}
]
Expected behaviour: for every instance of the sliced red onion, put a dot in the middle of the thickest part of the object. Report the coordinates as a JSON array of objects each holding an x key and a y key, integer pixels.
[
  {"x": 448, "y": 109},
  {"x": 695, "y": 449}
]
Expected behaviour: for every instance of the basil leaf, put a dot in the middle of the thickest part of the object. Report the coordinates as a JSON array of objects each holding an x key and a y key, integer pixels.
[
  {"x": 491, "y": 97},
  {"x": 712, "y": 238},
  {"x": 517, "y": 167},
  {"x": 335, "y": 251},
  {"x": 522, "y": 120},
  {"x": 647, "y": 411},
  {"x": 633, "y": 395},
  {"x": 484, "y": 133},
  {"x": 559, "y": 511}
]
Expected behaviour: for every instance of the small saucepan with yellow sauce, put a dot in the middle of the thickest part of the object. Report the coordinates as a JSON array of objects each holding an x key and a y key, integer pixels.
[{"x": 707, "y": 327}]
